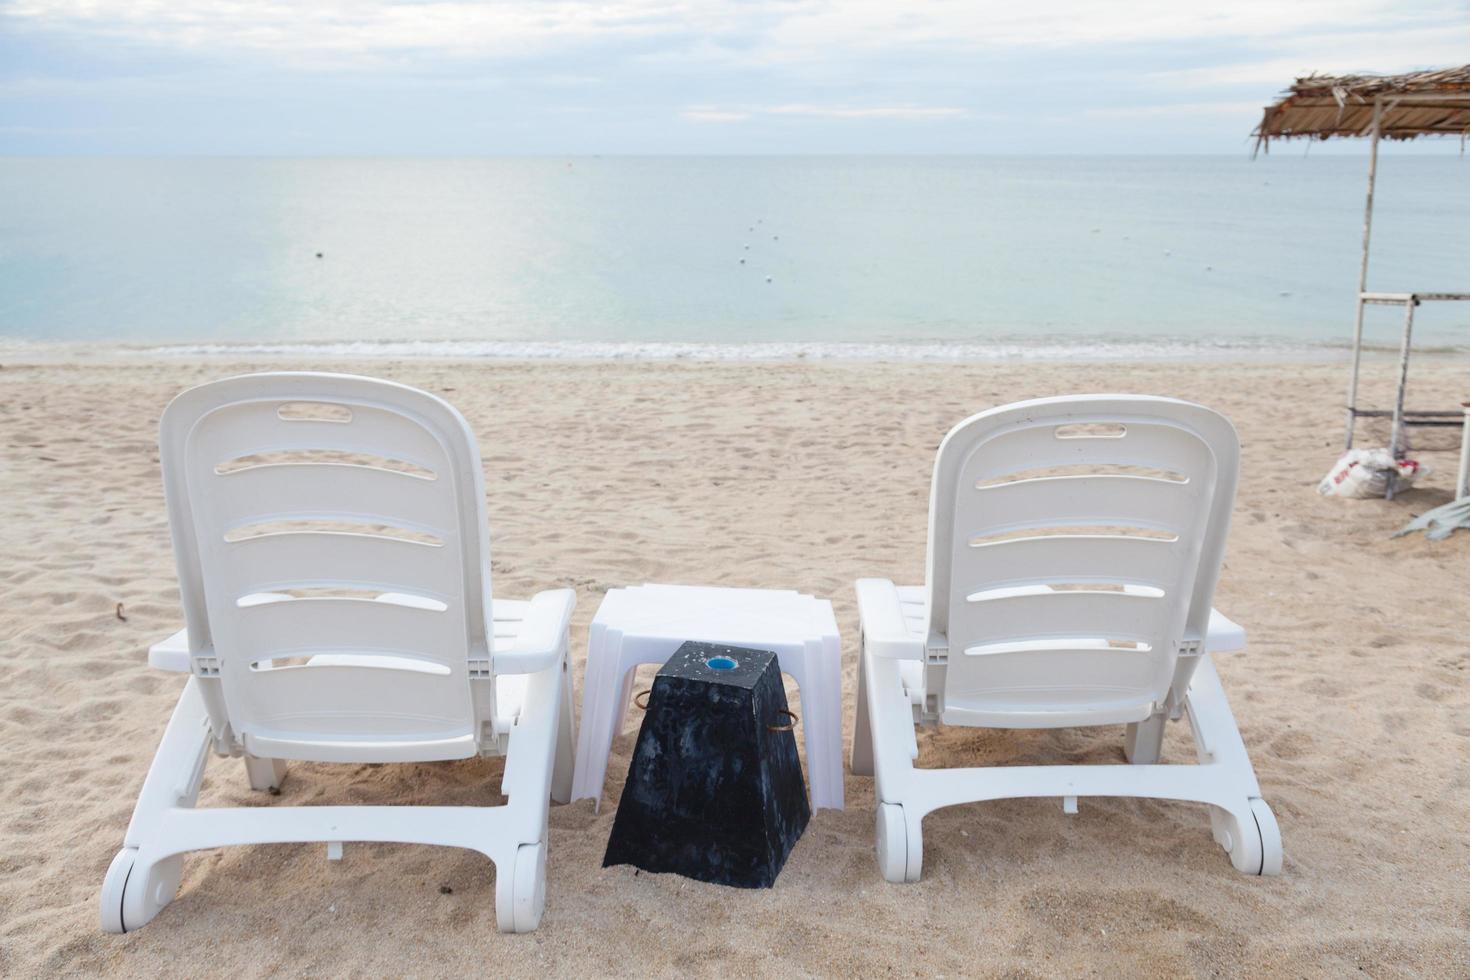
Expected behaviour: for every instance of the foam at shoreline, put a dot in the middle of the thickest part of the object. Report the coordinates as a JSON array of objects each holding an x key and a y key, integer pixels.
[
  {"x": 1048, "y": 349},
  {"x": 1057, "y": 349}
]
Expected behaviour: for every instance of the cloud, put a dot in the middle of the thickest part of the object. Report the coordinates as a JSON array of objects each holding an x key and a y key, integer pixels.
[
  {"x": 868, "y": 112},
  {"x": 343, "y": 31},
  {"x": 773, "y": 31},
  {"x": 382, "y": 73},
  {"x": 64, "y": 130},
  {"x": 709, "y": 114},
  {"x": 1176, "y": 109},
  {"x": 1335, "y": 53},
  {"x": 718, "y": 114}
]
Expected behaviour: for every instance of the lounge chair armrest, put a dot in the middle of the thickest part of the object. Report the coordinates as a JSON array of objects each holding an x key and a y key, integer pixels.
[
  {"x": 885, "y": 633},
  {"x": 542, "y": 636},
  {"x": 1223, "y": 635},
  {"x": 171, "y": 654}
]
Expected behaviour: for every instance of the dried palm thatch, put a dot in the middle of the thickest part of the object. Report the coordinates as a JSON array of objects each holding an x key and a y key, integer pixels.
[{"x": 1420, "y": 103}]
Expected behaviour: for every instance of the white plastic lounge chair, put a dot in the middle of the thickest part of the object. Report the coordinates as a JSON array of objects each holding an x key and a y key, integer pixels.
[
  {"x": 1074, "y": 546},
  {"x": 334, "y": 565}
]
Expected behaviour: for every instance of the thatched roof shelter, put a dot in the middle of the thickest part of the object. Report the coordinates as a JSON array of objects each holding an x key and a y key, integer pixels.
[
  {"x": 1399, "y": 107},
  {"x": 1420, "y": 103}
]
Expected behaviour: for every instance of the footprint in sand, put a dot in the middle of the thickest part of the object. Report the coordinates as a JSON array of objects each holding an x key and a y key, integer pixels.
[
  {"x": 1431, "y": 692},
  {"x": 1079, "y": 911},
  {"x": 1291, "y": 745}
]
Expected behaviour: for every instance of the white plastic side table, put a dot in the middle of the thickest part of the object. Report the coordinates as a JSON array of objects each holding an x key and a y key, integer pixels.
[{"x": 646, "y": 624}]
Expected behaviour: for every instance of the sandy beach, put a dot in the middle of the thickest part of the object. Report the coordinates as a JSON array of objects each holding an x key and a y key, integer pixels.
[{"x": 1352, "y": 697}]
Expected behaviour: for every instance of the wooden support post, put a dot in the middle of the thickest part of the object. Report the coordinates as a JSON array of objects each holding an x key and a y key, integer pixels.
[
  {"x": 1462, "y": 480},
  {"x": 1352, "y": 400},
  {"x": 1398, "y": 405}
]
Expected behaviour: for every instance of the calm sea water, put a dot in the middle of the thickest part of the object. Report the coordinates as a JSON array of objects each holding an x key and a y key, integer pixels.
[{"x": 989, "y": 252}]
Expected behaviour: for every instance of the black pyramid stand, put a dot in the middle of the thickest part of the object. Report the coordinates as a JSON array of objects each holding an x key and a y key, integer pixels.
[{"x": 714, "y": 790}]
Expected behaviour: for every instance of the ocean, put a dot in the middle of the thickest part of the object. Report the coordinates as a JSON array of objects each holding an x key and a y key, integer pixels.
[{"x": 939, "y": 257}]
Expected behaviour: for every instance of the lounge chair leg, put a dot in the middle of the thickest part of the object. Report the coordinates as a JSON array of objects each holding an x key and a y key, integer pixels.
[
  {"x": 566, "y": 738},
  {"x": 135, "y": 890},
  {"x": 265, "y": 774},
  {"x": 1144, "y": 743},
  {"x": 862, "y": 730},
  {"x": 1248, "y": 832},
  {"x": 892, "y": 843}
]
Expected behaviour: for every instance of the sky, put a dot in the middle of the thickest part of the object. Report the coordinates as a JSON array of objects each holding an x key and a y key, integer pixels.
[{"x": 451, "y": 77}]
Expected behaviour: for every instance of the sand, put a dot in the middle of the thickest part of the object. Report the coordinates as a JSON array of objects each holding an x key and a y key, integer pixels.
[{"x": 1352, "y": 697}]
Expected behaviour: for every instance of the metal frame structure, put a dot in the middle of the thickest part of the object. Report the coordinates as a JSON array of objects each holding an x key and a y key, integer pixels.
[
  {"x": 1446, "y": 418},
  {"x": 1462, "y": 478},
  {"x": 1401, "y": 417}
]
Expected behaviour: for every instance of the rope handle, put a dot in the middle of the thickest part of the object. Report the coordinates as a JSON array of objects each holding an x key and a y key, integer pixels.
[
  {"x": 641, "y": 700},
  {"x": 789, "y": 726}
]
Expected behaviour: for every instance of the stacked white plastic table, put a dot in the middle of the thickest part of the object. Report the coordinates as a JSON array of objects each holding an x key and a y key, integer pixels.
[{"x": 645, "y": 624}]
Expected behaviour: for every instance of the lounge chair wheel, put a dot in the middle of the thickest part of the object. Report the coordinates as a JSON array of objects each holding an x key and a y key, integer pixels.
[
  {"x": 1240, "y": 838},
  {"x": 1270, "y": 837},
  {"x": 113, "y": 886},
  {"x": 520, "y": 891},
  {"x": 133, "y": 895},
  {"x": 900, "y": 856}
]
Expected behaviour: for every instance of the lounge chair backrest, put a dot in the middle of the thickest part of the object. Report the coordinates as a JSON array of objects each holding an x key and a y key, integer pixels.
[
  {"x": 338, "y": 518},
  {"x": 1074, "y": 543}
]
